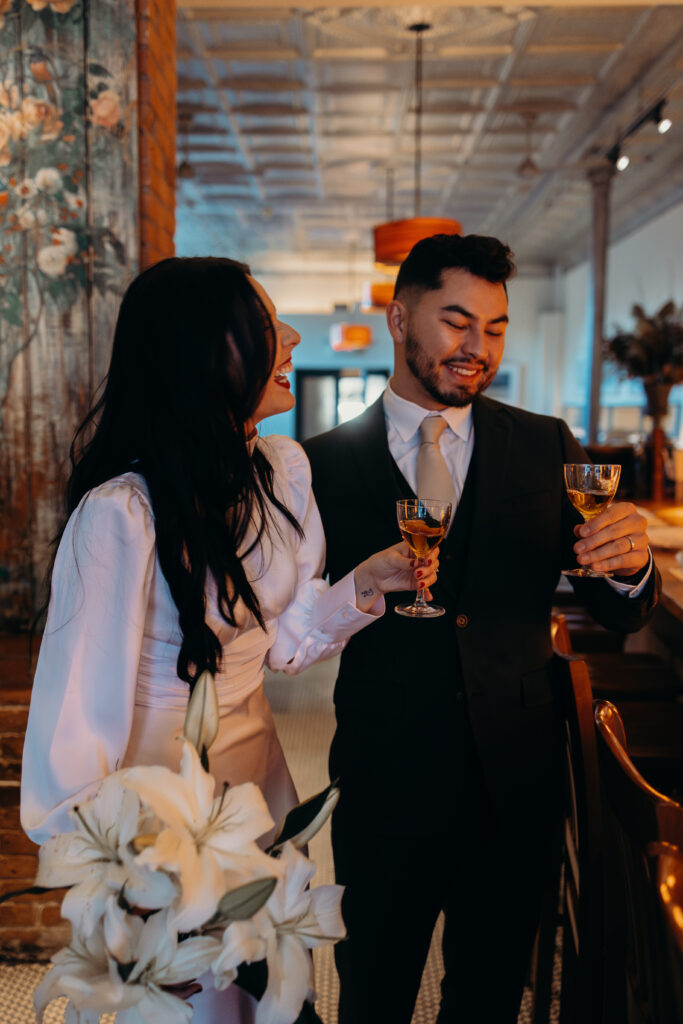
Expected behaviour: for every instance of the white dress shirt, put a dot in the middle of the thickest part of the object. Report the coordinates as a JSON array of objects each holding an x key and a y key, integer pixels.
[
  {"x": 108, "y": 658},
  {"x": 403, "y": 419}
]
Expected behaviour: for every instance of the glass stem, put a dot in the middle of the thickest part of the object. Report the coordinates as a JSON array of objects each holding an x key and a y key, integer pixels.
[{"x": 420, "y": 599}]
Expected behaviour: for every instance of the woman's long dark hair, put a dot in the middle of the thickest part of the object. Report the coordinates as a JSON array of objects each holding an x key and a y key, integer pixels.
[{"x": 193, "y": 349}]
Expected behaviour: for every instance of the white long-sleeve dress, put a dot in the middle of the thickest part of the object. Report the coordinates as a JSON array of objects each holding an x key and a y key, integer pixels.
[{"x": 106, "y": 691}]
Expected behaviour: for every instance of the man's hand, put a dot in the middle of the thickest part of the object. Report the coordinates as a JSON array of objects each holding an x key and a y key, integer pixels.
[
  {"x": 615, "y": 541},
  {"x": 394, "y": 569}
]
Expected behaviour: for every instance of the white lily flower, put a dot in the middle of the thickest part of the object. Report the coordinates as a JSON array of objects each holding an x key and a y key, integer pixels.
[
  {"x": 123, "y": 969},
  {"x": 96, "y": 860},
  {"x": 244, "y": 942},
  {"x": 80, "y": 969},
  {"x": 294, "y": 919},
  {"x": 208, "y": 842},
  {"x": 151, "y": 956}
]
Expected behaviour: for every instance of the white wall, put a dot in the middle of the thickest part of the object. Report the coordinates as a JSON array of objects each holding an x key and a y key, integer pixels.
[{"x": 646, "y": 267}]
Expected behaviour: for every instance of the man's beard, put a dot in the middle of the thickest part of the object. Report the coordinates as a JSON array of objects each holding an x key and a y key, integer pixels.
[{"x": 426, "y": 371}]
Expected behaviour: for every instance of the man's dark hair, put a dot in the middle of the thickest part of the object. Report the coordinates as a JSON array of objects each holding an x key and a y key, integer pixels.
[{"x": 481, "y": 255}]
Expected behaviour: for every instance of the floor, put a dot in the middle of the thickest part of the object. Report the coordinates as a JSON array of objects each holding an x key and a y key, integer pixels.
[{"x": 303, "y": 711}]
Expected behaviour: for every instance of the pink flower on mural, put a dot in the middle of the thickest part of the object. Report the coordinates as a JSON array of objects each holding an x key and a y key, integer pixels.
[
  {"x": 58, "y": 6},
  {"x": 39, "y": 112},
  {"x": 11, "y": 129},
  {"x": 106, "y": 109},
  {"x": 5, "y": 139},
  {"x": 4, "y": 8}
]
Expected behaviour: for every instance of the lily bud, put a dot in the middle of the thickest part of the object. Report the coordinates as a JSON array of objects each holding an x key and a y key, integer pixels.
[{"x": 202, "y": 716}]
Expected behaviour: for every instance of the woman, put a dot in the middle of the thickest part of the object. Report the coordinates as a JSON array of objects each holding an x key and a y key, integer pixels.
[{"x": 190, "y": 544}]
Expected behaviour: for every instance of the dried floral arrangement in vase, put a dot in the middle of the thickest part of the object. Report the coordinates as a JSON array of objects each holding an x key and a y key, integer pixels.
[{"x": 652, "y": 352}]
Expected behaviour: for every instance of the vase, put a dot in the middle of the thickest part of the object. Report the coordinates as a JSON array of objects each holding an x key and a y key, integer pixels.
[
  {"x": 657, "y": 399},
  {"x": 657, "y": 406}
]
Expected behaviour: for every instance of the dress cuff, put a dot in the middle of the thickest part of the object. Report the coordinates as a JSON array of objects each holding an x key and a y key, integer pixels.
[{"x": 336, "y": 613}]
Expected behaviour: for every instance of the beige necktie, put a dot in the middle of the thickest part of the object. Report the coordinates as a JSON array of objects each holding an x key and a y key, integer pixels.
[{"x": 433, "y": 476}]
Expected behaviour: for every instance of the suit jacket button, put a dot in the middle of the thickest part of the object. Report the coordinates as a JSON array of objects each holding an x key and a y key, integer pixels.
[{"x": 461, "y": 621}]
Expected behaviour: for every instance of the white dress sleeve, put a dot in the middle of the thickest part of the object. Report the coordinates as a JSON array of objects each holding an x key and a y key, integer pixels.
[
  {"x": 320, "y": 619},
  {"x": 84, "y": 688}
]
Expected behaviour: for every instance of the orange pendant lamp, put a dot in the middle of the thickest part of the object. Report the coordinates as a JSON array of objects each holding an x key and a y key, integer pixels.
[
  {"x": 376, "y": 295},
  {"x": 350, "y": 337},
  {"x": 395, "y": 239}
]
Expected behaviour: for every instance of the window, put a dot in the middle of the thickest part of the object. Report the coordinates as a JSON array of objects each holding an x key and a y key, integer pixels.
[{"x": 326, "y": 398}]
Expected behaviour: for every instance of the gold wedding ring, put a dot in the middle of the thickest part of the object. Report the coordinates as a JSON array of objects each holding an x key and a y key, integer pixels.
[{"x": 631, "y": 543}]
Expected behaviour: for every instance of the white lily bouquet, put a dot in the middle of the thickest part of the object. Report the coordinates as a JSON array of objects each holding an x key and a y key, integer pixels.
[{"x": 166, "y": 881}]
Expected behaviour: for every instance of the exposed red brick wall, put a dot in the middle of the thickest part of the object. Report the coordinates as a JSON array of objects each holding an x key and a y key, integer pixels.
[
  {"x": 30, "y": 926},
  {"x": 157, "y": 79}
]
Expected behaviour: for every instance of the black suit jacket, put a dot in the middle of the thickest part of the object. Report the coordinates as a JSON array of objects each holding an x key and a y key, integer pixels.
[{"x": 410, "y": 694}]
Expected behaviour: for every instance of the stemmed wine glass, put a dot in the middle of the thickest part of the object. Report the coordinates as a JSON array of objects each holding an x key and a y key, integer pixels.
[
  {"x": 423, "y": 524},
  {"x": 590, "y": 490}
]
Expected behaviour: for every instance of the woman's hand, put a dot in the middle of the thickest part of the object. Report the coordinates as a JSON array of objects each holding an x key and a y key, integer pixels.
[{"x": 394, "y": 569}]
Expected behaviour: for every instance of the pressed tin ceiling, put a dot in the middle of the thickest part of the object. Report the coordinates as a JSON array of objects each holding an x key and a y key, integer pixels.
[{"x": 296, "y": 125}]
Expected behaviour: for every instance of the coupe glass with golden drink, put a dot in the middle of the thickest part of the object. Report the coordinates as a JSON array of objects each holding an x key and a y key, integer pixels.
[
  {"x": 590, "y": 489},
  {"x": 423, "y": 524}
]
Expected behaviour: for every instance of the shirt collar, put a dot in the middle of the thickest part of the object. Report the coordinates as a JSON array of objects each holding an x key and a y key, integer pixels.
[{"x": 406, "y": 416}]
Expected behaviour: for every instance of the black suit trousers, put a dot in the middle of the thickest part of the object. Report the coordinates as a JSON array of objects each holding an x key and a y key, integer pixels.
[{"x": 485, "y": 875}]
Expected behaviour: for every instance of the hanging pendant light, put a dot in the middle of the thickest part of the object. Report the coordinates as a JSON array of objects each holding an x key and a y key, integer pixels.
[{"x": 395, "y": 239}]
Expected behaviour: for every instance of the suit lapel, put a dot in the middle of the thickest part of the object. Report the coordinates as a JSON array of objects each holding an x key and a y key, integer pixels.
[{"x": 377, "y": 473}]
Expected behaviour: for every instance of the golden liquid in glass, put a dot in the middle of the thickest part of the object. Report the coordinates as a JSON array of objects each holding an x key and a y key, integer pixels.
[
  {"x": 420, "y": 537},
  {"x": 590, "y": 503}
]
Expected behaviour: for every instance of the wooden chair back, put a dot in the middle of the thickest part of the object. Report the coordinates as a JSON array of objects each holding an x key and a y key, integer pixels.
[
  {"x": 669, "y": 875},
  {"x": 559, "y": 634},
  {"x": 642, "y": 826},
  {"x": 582, "y": 944}
]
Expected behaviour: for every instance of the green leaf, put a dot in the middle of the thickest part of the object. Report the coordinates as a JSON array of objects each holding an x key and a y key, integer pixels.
[
  {"x": 72, "y": 100},
  {"x": 12, "y": 316},
  {"x": 242, "y": 903},
  {"x": 99, "y": 69}
]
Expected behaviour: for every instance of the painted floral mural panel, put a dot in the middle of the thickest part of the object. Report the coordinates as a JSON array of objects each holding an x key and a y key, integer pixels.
[{"x": 68, "y": 246}]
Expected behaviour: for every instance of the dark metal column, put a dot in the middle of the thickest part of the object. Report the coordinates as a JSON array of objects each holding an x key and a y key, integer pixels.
[{"x": 601, "y": 183}]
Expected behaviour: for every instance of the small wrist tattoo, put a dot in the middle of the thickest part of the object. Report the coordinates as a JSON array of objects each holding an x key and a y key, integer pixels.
[{"x": 367, "y": 593}]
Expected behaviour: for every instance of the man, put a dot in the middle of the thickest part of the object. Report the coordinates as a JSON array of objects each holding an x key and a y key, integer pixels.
[{"x": 447, "y": 744}]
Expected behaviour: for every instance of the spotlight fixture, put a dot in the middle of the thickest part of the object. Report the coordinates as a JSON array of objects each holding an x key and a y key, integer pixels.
[
  {"x": 655, "y": 114},
  {"x": 619, "y": 159},
  {"x": 663, "y": 123}
]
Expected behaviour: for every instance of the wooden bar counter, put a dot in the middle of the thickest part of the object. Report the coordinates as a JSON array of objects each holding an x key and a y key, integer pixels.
[{"x": 664, "y": 634}]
